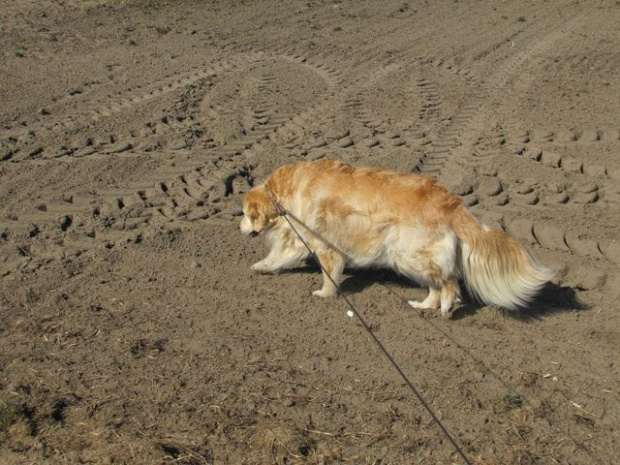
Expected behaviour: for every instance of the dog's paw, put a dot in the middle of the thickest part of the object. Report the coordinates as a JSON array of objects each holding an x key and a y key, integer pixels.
[
  {"x": 261, "y": 267},
  {"x": 258, "y": 266},
  {"x": 325, "y": 293},
  {"x": 422, "y": 305},
  {"x": 447, "y": 312}
]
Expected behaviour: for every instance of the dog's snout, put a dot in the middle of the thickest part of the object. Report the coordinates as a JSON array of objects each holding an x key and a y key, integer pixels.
[
  {"x": 246, "y": 226},
  {"x": 253, "y": 234}
]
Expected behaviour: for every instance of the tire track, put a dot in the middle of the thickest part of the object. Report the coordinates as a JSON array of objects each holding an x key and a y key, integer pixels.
[
  {"x": 535, "y": 200},
  {"x": 556, "y": 238},
  {"x": 194, "y": 185},
  {"x": 202, "y": 185},
  {"x": 69, "y": 136},
  {"x": 535, "y": 144},
  {"x": 465, "y": 145},
  {"x": 459, "y": 138}
]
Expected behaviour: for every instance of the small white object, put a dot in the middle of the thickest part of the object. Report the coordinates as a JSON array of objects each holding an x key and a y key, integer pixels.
[{"x": 350, "y": 314}]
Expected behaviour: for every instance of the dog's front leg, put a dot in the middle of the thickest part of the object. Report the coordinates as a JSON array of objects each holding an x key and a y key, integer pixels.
[
  {"x": 266, "y": 265},
  {"x": 332, "y": 264},
  {"x": 281, "y": 256}
]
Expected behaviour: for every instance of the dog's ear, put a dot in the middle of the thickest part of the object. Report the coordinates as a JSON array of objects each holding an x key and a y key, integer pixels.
[
  {"x": 265, "y": 207},
  {"x": 259, "y": 208}
]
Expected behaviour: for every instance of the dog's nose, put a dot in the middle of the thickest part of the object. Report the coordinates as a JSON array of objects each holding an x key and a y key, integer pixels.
[{"x": 253, "y": 234}]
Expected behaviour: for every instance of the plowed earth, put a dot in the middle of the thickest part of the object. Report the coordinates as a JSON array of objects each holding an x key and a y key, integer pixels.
[{"x": 132, "y": 329}]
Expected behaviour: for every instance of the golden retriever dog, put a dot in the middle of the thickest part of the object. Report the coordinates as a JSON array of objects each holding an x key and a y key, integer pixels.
[{"x": 361, "y": 216}]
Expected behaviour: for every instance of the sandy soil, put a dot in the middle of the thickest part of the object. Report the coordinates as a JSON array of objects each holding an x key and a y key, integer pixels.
[{"x": 132, "y": 328}]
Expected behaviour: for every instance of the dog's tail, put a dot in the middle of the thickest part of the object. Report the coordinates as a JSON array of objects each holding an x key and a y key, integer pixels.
[{"x": 496, "y": 267}]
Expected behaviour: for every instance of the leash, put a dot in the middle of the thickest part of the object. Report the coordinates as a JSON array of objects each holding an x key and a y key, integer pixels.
[{"x": 353, "y": 311}]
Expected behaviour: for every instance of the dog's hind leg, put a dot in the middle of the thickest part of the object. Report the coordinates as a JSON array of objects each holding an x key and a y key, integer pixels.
[
  {"x": 445, "y": 296},
  {"x": 450, "y": 297},
  {"x": 431, "y": 301},
  {"x": 332, "y": 264},
  {"x": 437, "y": 266},
  {"x": 420, "y": 268},
  {"x": 443, "y": 290}
]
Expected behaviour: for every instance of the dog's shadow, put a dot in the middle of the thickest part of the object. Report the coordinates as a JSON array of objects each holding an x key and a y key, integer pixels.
[
  {"x": 358, "y": 280},
  {"x": 551, "y": 299}
]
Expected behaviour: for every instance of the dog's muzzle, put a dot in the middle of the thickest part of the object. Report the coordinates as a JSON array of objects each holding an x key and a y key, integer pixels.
[{"x": 246, "y": 227}]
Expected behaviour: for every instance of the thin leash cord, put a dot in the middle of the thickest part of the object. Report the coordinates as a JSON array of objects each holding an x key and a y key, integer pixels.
[{"x": 282, "y": 212}]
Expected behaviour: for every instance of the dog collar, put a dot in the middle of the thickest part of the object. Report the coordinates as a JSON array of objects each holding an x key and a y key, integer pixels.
[{"x": 280, "y": 210}]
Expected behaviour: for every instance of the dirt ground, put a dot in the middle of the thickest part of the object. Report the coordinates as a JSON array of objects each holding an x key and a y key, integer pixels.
[{"x": 132, "y": 330}]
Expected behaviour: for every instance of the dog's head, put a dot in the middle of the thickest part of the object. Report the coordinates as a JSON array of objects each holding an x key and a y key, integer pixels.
[{"x": 259, "y": 212}]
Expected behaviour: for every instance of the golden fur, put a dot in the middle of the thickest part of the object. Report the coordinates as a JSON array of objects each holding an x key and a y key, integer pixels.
[{"x": 363, "y": 216}]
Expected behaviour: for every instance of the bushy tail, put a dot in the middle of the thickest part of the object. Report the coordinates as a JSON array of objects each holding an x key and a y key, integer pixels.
[{"x": 496, "y": 267}]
